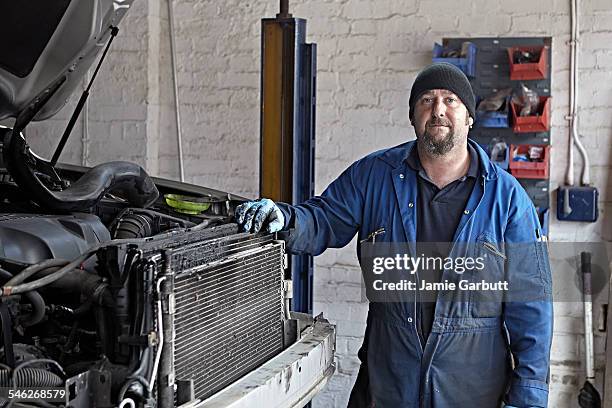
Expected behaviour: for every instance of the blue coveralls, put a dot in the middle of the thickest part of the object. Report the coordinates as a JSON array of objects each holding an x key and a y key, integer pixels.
[{"x": 478, "y": 353}]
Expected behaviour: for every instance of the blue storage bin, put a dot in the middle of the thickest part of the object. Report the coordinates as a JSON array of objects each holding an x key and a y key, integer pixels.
[
  {"x": 467, "y": 65},
  {"x": 492, "y": 119}
]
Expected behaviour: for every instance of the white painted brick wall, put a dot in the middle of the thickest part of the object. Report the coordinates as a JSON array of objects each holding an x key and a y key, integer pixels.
[{"x": 368, "y": 53}]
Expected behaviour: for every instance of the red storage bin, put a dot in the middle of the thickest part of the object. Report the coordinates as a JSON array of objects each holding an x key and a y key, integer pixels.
[
  {"x": 535, "y": 123},
  {"x": 530, "y": 70},
  {"x": 529, "y": 169}
]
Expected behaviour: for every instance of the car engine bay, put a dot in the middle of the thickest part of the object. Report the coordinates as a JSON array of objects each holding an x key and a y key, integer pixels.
[{"x": 82, "y": 295}]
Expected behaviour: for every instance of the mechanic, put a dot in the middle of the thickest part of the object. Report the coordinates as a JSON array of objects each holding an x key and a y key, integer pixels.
[{"x": 441, "y": 188}]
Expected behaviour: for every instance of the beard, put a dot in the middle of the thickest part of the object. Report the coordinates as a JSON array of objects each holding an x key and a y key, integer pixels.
[
  {"x": 434, "y": 146},
  {"x": 439, "y": 147}
]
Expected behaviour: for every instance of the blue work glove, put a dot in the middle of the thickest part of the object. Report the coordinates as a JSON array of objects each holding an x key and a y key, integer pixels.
[{"x": 253, "y": 215}]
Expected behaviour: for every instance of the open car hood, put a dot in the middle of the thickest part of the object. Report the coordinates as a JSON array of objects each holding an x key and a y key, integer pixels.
[{"x": 50, "y": 42}]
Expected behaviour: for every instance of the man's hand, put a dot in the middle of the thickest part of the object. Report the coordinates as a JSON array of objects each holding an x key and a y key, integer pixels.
[{"x": 253, "y": 215}]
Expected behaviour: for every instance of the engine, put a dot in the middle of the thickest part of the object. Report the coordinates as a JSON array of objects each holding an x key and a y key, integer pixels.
[{"x": 118, "y": 305}]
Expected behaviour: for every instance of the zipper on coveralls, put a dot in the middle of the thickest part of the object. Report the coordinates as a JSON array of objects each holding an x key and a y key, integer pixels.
[
  {"x": 474, "y": 211},
  {"x": 417, "y": 320},
  {"x": 451, "y": 251}
]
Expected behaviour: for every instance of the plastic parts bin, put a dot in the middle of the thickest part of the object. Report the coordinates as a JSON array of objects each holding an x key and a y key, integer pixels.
[
  {"x": 529, "y": 70},
  {"x": 493, "y": 119},
  {"x": 467, "y": 65},
  {"x": 532, "y": 123},
  {"x": 529, "y": 169}
]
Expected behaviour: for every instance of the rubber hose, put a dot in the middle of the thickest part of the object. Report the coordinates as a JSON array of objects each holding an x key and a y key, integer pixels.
[
  {"x": 30, "y": 377},
  {"x": 35, "y": 299},
  {"x": 125, "y": 179},
  {"x": 134, "y": 226},
  {"x": 38, "y": 309},
  {"x": 34, "y": 269},
  {"x": 39, "y": 283}
]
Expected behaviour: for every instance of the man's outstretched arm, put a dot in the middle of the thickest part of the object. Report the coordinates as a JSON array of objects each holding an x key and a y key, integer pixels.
[{"x": 326, "y": 221}]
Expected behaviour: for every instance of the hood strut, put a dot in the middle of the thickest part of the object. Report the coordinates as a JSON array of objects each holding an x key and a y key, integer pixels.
[{"x": 81, "y": 103}]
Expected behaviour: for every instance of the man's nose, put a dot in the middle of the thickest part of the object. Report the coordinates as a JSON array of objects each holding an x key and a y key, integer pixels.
[{"x": 438, "y": 109}]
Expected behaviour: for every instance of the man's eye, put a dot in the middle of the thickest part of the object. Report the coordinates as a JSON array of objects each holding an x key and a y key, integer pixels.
[
  {"x": 426, "y": 100},
  {"x": 451, "y": 100}
]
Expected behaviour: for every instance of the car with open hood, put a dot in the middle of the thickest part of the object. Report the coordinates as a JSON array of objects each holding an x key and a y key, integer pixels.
[{"x": 122, "y": 289}]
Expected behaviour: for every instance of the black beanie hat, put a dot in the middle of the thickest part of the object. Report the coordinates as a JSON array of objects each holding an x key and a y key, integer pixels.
[{"x": 442, "y": 75}]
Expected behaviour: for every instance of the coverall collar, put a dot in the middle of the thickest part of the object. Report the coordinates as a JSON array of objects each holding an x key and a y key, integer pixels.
[{"x": 397, "y": 156}]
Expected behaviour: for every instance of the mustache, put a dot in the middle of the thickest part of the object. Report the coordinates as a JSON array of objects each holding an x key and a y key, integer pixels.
[{"x": 438, "y": 122}]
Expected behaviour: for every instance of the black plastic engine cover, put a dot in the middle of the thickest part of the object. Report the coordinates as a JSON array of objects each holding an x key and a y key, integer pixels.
[{"x": 31, "y": 238}]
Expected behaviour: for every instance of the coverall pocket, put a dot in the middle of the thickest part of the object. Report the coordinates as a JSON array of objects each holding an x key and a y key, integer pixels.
[
  {"x": 487, "y": 284},
  {"x": 374, "y": 235},
  {"x": 470, "y": 368},
  {"x": 373, "y": 250}
]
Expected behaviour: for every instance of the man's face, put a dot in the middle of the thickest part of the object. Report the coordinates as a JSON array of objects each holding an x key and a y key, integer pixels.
[{"x": 440, "y": 121}]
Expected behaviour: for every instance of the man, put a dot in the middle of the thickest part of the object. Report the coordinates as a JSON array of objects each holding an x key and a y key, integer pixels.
[{"x": 446, "y": 351}]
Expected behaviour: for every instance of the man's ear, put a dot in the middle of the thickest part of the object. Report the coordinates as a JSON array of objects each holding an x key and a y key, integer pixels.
[{"x": 470, "y": 121}]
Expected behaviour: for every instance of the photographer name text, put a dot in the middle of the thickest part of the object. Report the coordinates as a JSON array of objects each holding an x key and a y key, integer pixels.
[{"x": 463, "y": 284}]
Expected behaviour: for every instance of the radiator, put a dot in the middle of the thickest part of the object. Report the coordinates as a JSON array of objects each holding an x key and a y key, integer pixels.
[{"x": 228, "y": 316}]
